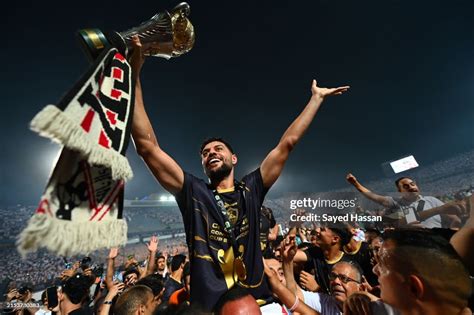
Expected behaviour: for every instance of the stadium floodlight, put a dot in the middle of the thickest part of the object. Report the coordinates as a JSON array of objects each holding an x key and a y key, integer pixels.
[
  {"x": 403, "y": 164},
  {"x": 167, "y": 198}
]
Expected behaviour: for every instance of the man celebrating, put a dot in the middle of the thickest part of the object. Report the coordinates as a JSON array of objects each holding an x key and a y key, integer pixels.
[
  {"x": 412, "y": 207},
  {"x": 221, "y": 217}
]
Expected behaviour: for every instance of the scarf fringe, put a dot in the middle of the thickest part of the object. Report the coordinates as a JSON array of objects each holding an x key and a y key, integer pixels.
[
  {"x": 58, "y": 235},
  {"x": 53, "y": 123}
]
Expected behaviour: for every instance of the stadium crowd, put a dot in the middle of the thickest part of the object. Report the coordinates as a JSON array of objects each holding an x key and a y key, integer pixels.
[
  {"x": 241, "y": 260},
  {"x": 311, "y": 269}
]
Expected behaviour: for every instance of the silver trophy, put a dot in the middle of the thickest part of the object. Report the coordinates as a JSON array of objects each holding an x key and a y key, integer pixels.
[{"x": 165, "y": 35}]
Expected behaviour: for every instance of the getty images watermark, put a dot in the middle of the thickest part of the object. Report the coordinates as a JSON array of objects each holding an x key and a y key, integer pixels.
[{"x": 328, "y": 208}]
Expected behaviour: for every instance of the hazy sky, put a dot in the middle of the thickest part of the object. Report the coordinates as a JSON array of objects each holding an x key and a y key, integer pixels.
[{"x": 410, "y": 66}]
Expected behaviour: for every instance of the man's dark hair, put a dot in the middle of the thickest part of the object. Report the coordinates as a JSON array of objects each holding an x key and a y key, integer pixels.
[
  {"x": 212, "y": 139},
  {"x": 423, "y": 238},
  {"x": 77, "y": 288},
  {"x": 154, "y": 282},
  {"x": 400, "y": 179},
  {"x": 131, "y": 299},
  {"x": 160, "y": 255},
  {"x": 177, "y": 261},
  {"x": 268, "y": 254},
  {"x": 187, "y": 269},
  {"x": 341, "y": 230},
  {"x": 234, "y": 294},
  {"x": 441, "y": 267},
  {"x": 130, "y": 271}
]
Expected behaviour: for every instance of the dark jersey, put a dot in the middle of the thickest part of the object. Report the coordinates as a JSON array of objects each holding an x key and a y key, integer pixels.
[
  {"x": 210, "y": 249},
  {"x": 267, "y": 222},
  {"x": 171, "y": 285},
  {"x": 322, "y": 268}
]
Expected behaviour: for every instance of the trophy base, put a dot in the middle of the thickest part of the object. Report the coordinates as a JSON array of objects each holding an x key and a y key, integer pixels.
[{"x": 93, "y": 41}]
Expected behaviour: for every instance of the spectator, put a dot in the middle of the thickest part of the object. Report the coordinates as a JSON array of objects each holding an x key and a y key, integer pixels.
[
  {"x": 411, "y": 207},
  {"x": 73, "y": 294},
  {"x": 135, "y": 300},
  {"x": 331, "y": 241},
  {"x": 44, "y": 308},
  {"x": 182, "y": 295},
  {"x": 155, "y": 283},
  {"x": 237, "y": 301},
  {"x": 174, "y": 282},
  {"x": 437, "y": 284}
]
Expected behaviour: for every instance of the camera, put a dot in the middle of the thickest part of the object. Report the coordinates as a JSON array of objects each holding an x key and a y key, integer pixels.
[
  {"x": 23, "y": 290},
  {"x": 98, "y": 271},
  {"x": 85, "y": 263}
]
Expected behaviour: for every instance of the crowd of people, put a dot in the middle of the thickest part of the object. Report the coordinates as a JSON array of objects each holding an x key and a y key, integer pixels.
[
  {"x": 240, "y": 260},
  {"x": 330, "y": 269}
]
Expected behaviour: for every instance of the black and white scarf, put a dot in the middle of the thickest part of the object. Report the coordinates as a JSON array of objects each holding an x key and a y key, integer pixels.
[{"x": 81, "y": 207}]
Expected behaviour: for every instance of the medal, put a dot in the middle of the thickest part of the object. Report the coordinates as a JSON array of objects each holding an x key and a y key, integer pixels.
[
  {"x": 239, "y": 268},
  {"x": 220, "y": 256}
]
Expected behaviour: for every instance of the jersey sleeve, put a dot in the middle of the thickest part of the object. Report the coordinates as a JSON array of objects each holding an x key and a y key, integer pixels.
[
  {"x": 253, "y": 185},
  {"x": 184, "y": 197}
]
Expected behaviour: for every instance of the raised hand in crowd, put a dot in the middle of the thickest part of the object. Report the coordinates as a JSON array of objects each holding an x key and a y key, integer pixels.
[
  {"x": 288, "y": 248},
  {"x": 116, "y": 288},
  {"x": 365, "y": 285},
  {"x": 113, "y": 253},
  {"x": 13, "y": 294},
  {"x": 152, "y": 249},
  {"x": 382, "y": 200},
  {"x": 288, "y": 251},
  {"x": 67, "y": 273},
  {"x": 308, "y": 282},
  {"x": 290, "y": 299}
]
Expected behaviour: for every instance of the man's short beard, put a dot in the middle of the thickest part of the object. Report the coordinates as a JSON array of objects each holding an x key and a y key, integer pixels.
[{"x": 219, "y": 174}]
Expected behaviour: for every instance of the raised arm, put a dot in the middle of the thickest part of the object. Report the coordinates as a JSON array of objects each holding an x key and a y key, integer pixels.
[
  {"x": 291, "y": 301},
  {"x": 383, "y": 200},
  {"x": 273, "y": 164},
  {"x": 463, "y": 240},
  {"x": 288, "y": 250},
  {"x": 152, "y": 248},
  {"x": 168, "y": 173},
  {"x": 109, "y": 276}
]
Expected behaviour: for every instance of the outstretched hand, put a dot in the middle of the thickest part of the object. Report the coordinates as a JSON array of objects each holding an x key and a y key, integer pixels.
[
  {"x": 322, "y": 92},
  {"x": 113, "y": 252},
  {"x": 351, "y": 179},
  {"x": 153, "y": 244},
  {"x": 288, "y": 248}
]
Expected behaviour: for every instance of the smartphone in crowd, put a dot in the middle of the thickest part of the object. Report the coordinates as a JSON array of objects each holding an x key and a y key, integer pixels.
[
  {"x": 118, "y": 276},
  {"x": 52, "y": 297}
]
